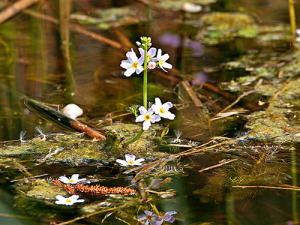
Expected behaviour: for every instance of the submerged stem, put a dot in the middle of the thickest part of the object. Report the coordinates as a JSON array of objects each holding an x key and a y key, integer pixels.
[{"x": 136, "y": 137}]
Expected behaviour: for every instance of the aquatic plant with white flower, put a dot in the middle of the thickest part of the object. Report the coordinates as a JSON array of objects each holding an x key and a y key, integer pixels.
[
  {"x": 130, "y": 161},
  {"x": 61, "y": 200},
  {"x": 150, "y": 218},
  {"x": 148, "y": 60},
  {"x": 161, "y": 60},
  {"x": 72, "y": 180},
  {"x": 147, "y": 117},
  {"x": 133, "y": 64},
  {"x": 163, "y": 109}
]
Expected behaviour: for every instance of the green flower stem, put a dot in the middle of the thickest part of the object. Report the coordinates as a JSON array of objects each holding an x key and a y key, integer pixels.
[
  {"x": 145, "y": 79},
  {"x": 136, "y": 137},
  {"x": 144, "y": 96}
]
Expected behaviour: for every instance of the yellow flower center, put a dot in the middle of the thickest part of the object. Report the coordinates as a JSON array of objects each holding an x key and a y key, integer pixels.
[
  {"x": 130, "y": 162},
  {"x": 135, "y": 65},
  {"x": 71, "y": 180},
  {"x": 162, "y": 110},
  {"x": 149, "y": 57},
  {"x": 68, "y": 200},
  {"x": 161, "y": 62},
  {"x": 148, "y": 217},
  {"x": 147, "y": 117}
]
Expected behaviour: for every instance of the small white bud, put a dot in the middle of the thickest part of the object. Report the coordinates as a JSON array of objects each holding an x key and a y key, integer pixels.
[{"x": 138, "y": 43}]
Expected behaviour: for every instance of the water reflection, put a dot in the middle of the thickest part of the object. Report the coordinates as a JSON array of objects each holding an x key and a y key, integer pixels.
[{"x": 66, "y": 64}]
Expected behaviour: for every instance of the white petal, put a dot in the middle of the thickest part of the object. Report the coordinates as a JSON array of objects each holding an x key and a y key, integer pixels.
[
  {"x": 152, "y": 52},
  {"x": 75, "y": 177},
  {"x": 139, "y": 118},
  {"x": 132, "y": 56},
  {"x": 143, "y": 110},
  {"x": 129, "y": 158},
  {"x": 162, "y": 68},
  {"x": 167, "y": 105},
  {"x": 155, "y": 118},
  {"x": 158, "y": 54},
  {"x": 128, "y": 55},
  {"x": 141, "y": 60},
  {"x": 122, "y": 162},
  {"x": 157, "y": 102},
  {"x": 73, "y": 198},
  {"x": 138, "y": 161},
  {"x": 165, "y": 57},
  {"x": 125, "y": 64},
  {"x": 129, "y": 72},
  {"x": 79, "y": 200},
  {"x": 60, "y": 198},
  {"x": 64, "y": 179},
  {"x": 169, "y": 115},
  {"x": 139, "y": 69},
  {"x": 142, "y": 52},
  {"x": 167, "y": 65},
  {"x": 146, "y": 125}
]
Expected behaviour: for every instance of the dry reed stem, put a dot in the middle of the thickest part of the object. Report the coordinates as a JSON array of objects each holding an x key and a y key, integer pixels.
[
  {"x": 218, "y": 165},
  {"x": 15, "y": 8},
  {"x": 191, "y": 93}
]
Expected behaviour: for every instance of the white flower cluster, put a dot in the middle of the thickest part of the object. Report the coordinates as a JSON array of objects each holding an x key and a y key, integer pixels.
[
  {"x": 134, "y": 64},
  {"x": 161, "y": 111}
]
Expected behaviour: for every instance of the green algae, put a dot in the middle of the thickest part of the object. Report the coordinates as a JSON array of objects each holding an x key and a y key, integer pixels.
[
  {"x": 42, "y": 189},
  {"x": 74, "y": 149}
]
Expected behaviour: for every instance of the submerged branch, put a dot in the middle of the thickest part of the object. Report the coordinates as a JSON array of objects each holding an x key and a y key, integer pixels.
[
  {"x": 15, "y": 8},
  {"x": 218, "y": 165},
  {"x": 271, "y": 187},
  {"x": 191, "y": 93}
]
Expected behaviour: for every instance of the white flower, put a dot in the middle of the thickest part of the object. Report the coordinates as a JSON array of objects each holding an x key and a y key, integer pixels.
[
  {"x": 163, "y": 109},
  {"x": 162, "y": 60},
  {"x": 68, "y": 201},
  {"x": 133, "y": 64},
  {"x": 147, "y": 117},
  {"x": 130, "y": 160},
  {"x": 151, "y": 65},
  {"x": 150, "y": 54},
  {"x": 73, "y": 180}
]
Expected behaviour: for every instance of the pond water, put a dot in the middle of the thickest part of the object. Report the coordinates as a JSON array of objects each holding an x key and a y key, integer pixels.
[{"x": 236, "y": 168}]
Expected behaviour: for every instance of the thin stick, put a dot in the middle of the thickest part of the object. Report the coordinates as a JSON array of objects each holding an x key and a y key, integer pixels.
[
  {"x": 15, "y": 8},
  {"x": 270, "y": 187},
  {"x": 191, "y": 93},
  {"x": 77, "y": 28},
  {"x": 237, "y": 100},
  {"x": 221, "y": 164},
  {"x": 86, "y": 216},
  {"x": 277, "y": 93},
  {"x": 28, "y": 178}
]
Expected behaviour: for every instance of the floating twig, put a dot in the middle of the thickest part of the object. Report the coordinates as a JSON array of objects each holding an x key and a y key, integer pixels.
[
  {"x": 218, "y": 165},
  {"x": 191, "y": 92},
  {"x": 77, "y": 28},
  {"x": 15, "y": 8},
  {"x": 277, "y": 93}
]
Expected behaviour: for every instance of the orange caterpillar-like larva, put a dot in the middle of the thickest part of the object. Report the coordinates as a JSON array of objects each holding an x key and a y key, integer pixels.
[
  {"x": 69, "y": 188},
  {"x": 94, "y": 190},
  {"x": 101, "y": 190}
]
